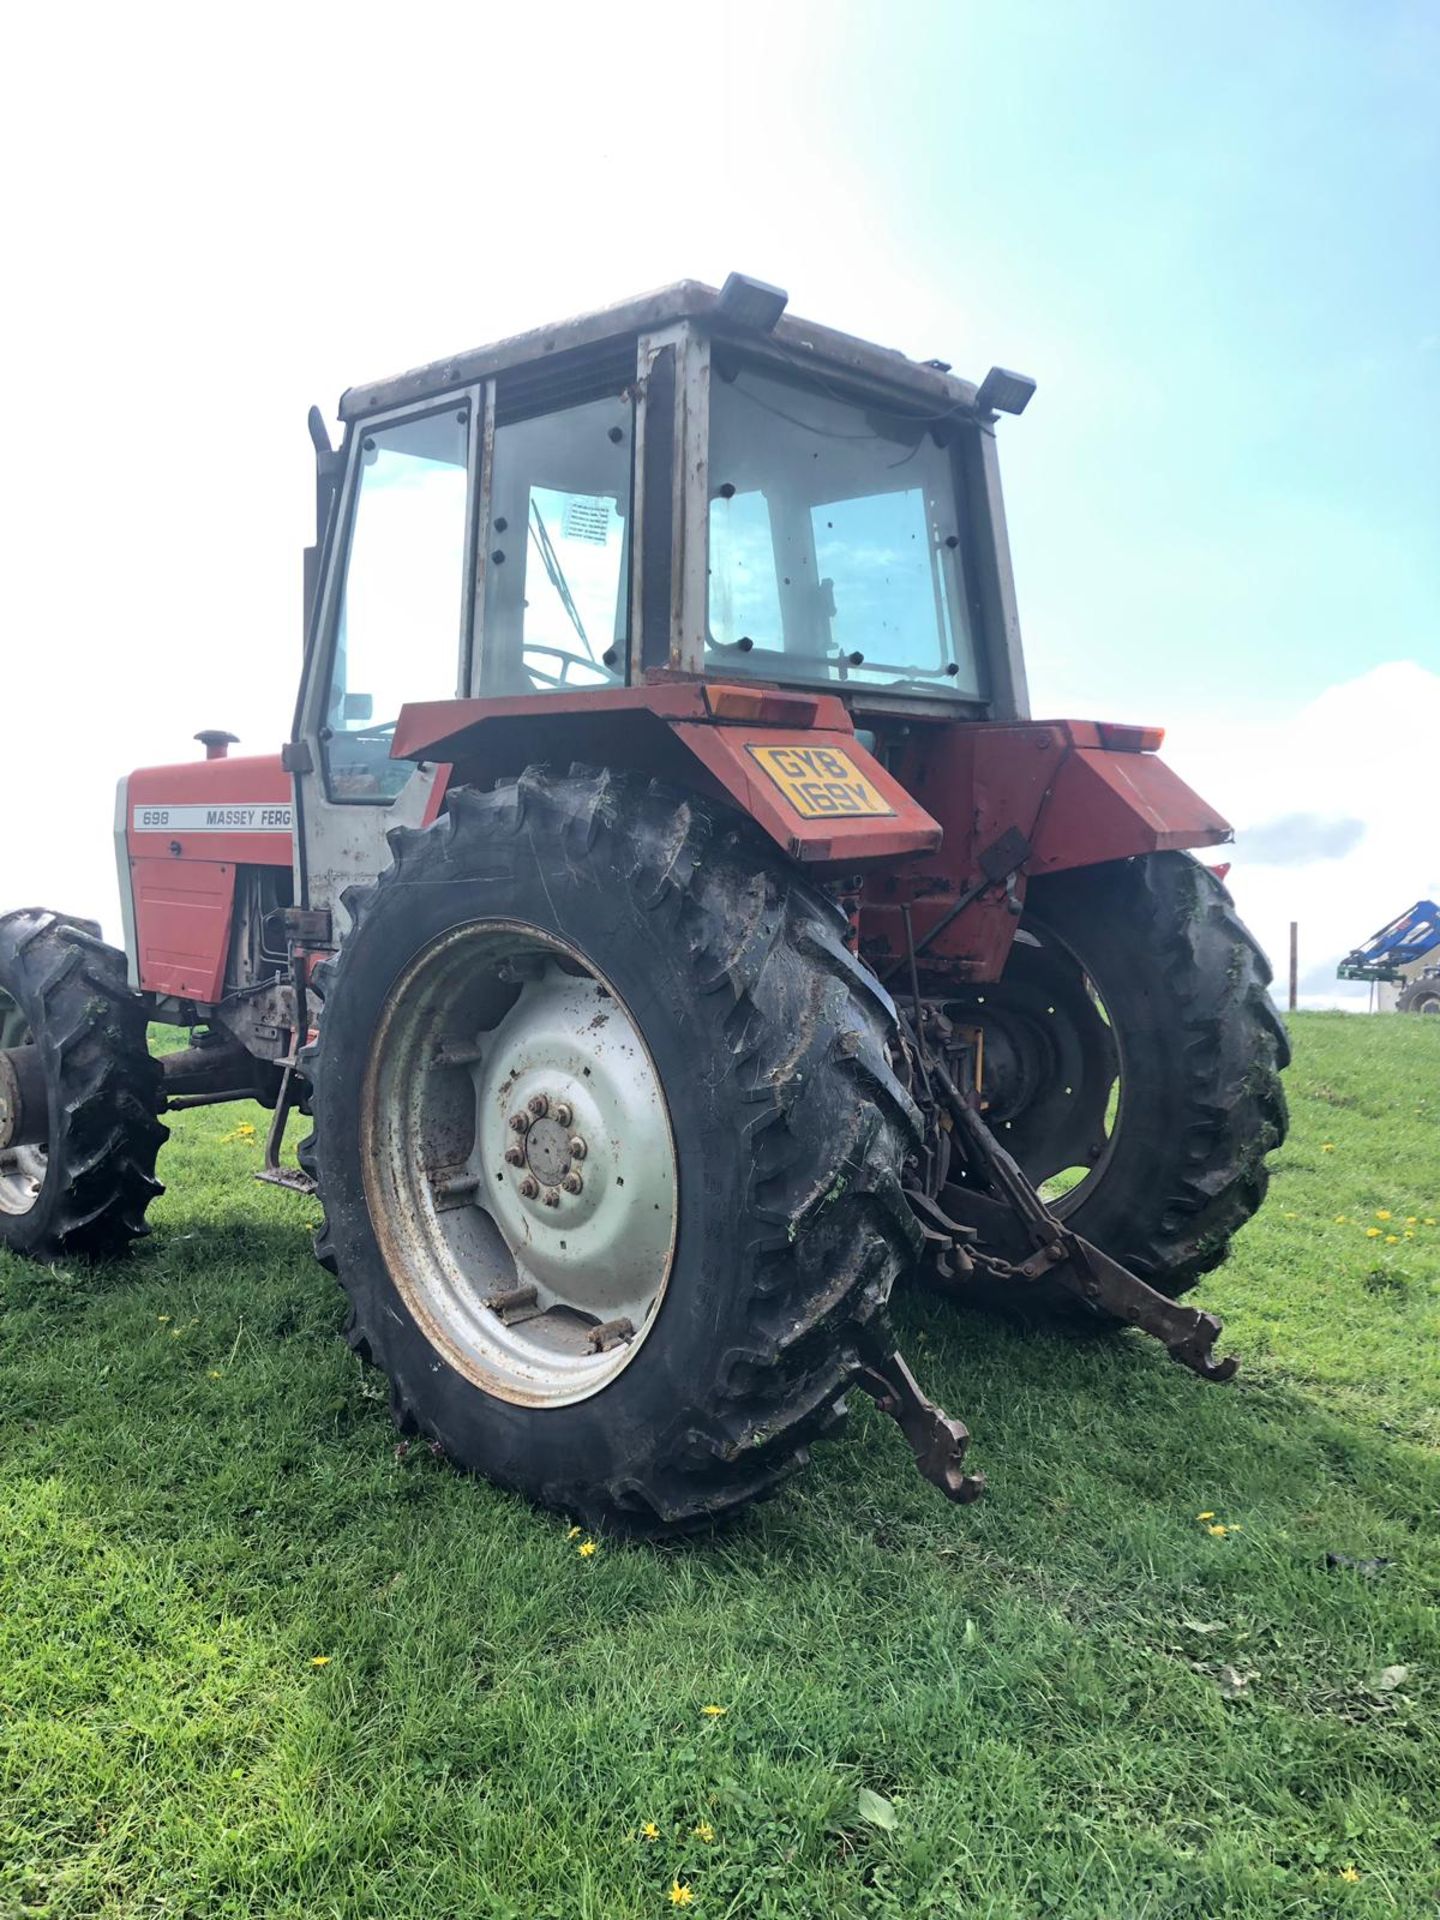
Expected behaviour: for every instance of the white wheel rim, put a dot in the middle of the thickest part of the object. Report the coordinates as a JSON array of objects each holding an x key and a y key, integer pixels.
[{"x": 516, "y": 1141}]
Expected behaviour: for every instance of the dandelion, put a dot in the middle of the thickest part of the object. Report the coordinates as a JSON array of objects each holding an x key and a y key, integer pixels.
[
  {"x": 1382, "y": 1213},
  {"x": 1408, "y": 1234},
  {"x": 320, "y": 1660},
  {"x": 1429, "y": 1223},
  {"x": 214, "y": 1373},
  {"x": 1372, "y": 1233},
  {"x": 243, "y": 1132},
  {"x": 1392, "y": 1239},
  {"x": 714, "y": 1713},
  {"x": 1327, "y": 1146},
  {"x": 704, "y": 1832},
  {"x": 1349, "y": 1873},
  {"x": 680, "y": 1896},
  {"x": 1218, "y": 1532},
  {"x": 1339, "y": 1219},
  {"x": 1207, "y": 1515},
  {"x": 649, "y": 1831},
  {"x": 586, "y": 1548},
  {"x": 574, "y": 1533},
  {"x": 1410, "y": 1220}
]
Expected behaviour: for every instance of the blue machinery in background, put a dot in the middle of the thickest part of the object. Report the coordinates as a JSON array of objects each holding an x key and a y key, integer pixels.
[{"x": 1407, "y": 939}]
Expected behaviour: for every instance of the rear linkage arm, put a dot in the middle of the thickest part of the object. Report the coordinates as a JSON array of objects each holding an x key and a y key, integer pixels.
[{"x": 1062, "y": 1256}]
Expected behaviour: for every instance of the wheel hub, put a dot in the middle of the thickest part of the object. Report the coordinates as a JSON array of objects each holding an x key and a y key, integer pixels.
[{"x": 521, "y": 1175}]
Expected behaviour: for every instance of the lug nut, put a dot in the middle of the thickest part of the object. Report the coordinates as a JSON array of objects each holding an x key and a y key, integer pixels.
[
  {"x": 552, "y": 1196},
  {"x": 572, "y": 1183},
  {"x": 529, "y": 1187},
  {"x": 561, "y": 1113},
  {"x": 578, "y": 1148},
  {"x": 520, "y": 1122},
  {"x": 514, "y": 1156},
  {"x": 538, "y": 1105}
]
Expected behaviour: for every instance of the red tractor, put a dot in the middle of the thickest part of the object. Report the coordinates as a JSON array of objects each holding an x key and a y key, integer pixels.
[{"x": 672, "y": 920}]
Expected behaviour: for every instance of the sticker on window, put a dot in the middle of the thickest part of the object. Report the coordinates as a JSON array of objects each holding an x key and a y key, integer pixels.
[{"x": 821, "y": 782}]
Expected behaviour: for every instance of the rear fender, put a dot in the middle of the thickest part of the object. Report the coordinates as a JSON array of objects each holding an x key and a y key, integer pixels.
[
  {"x": 790, "y": 762},
  {"x": 1075, "y": 800}
]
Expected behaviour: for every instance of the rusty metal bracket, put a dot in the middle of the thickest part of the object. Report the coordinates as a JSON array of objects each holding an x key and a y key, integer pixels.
[
  {"x": 273, "y": 1174},
  {"x": 1063, "y": 1257},
  {"x": 937, "y": 1441}
]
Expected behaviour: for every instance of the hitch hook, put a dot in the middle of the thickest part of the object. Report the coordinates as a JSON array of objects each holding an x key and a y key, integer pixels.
[{"x": 937, "y": 1440}]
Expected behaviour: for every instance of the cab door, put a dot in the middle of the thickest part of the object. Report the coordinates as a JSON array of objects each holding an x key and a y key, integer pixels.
[{"x": 393, "y": 625}]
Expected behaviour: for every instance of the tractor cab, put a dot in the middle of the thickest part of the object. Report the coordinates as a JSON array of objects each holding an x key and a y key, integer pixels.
[{"x": 692, "y": 484}]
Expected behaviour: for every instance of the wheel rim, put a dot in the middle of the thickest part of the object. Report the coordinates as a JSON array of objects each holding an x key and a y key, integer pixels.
[
  {"x": 1054, "y": 1068},
  {"x": 519, "y": 1163},
  {"x": 22, "y": 1169}
]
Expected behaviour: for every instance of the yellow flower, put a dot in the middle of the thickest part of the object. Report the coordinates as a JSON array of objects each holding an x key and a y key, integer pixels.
[
  {"x": 1339, "y": 1219},
  {"x": 574, "y": 1533},
  {"x": 1382, "y": 1213},
  {"x": 321, "y": 1660},
  {"x": 1372, "y": 1233},
  {"x": 1218, "y": 1531},
  {"x": 1327, "y": 1146},
  {"x": 714, "y": 1713},
  {"x": 214, "y": 1373},
  {"x": 243, "y": 1132},
  {"x": 1349, "y": 1873},
  {"x": 1392, "y": 1239},
  {"x": 680, "y": 1896},
  {"x": 162, "y": 1318},
  {"x": 1429, "y": 1223},
  {"x": 1410, "y": 1220},
  {"x": 1207, "y": 1515},
  {"x": 1408, "y": 1234},
  {"x": 586, "y": 1548},
  {"x": 649, "y": 1831},
  {"x": 704, "y": 1832}
]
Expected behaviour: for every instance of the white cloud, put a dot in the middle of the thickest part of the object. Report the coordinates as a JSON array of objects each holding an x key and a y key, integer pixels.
[{"x": 1364, "y": 751}]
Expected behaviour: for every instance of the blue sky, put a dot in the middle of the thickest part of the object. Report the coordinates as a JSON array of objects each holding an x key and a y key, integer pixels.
[
  {"x": 1214, "y": 237},
  {"x": 1211, "y": 234}
]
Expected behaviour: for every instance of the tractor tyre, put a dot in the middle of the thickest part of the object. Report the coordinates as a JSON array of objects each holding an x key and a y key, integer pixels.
[
  {"x": 84, "y": 1190},
  {"x": 1144, "y": 1056},
  {"x": 1421, "y": 996},
  {"x": 608, "y": 1147}
]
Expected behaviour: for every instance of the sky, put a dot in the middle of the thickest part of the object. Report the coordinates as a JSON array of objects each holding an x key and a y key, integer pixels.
[{"x": 1210, "y": 235}]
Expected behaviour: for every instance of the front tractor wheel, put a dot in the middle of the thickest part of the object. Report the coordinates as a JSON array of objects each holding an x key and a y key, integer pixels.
[
  {"x": 608, "y": 1147},
  {"x": 1132, "y": 1062},
  {"x": 79, "y": 1093}
]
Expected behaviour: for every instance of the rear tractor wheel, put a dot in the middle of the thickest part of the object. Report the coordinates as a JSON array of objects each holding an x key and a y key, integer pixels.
[
  {"x": 608, "y": 1148},
  {"x": 1132, "y": 1061},
  {"x": 79, "y": 1093}
]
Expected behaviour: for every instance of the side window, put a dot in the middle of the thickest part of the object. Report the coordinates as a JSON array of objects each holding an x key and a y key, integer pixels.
[
  {"x": 401, "y": 614},
  {"x": 557, "y": 568}
]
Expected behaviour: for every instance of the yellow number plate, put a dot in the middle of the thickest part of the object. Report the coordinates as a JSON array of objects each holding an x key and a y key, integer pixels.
[{"x": 821, "y": 783}]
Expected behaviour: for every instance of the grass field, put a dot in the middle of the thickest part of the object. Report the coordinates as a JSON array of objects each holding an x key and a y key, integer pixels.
[{"x": 257, "y": 1660}]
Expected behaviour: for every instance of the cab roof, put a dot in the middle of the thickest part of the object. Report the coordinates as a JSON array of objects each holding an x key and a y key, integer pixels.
[{"x": 801, "y": 343}]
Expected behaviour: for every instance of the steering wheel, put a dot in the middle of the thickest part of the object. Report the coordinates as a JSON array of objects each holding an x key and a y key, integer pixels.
[{"x": 567, "y": 660}]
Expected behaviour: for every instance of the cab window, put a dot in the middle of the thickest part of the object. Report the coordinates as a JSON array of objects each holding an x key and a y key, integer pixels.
[
  {"x": 836, "y": 551},
  {"x": 557, "y": 551},
  {"x": 401, "y": 615}
]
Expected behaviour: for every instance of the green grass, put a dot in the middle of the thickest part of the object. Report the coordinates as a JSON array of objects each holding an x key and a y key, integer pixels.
[{"x": 201, "y": 1495}]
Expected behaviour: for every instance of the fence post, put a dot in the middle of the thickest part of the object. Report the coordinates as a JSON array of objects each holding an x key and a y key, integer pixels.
[{"x": 1294, "y": 961}]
